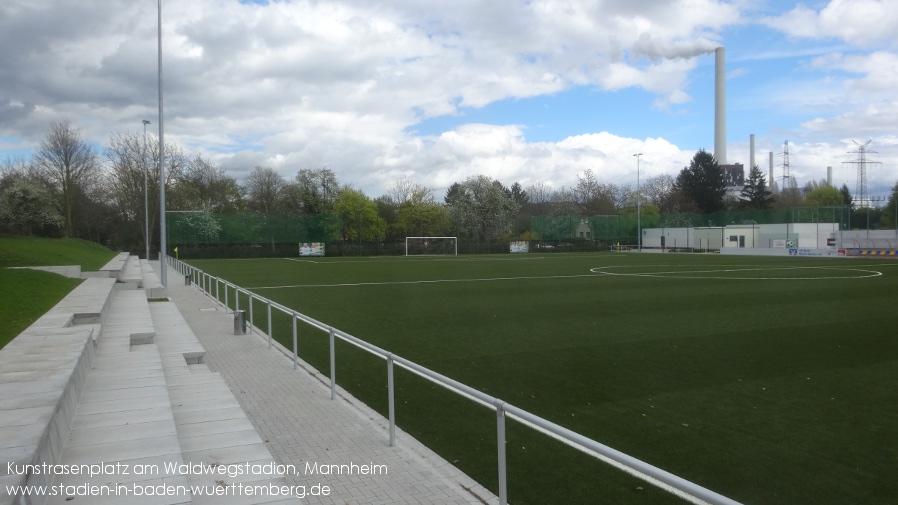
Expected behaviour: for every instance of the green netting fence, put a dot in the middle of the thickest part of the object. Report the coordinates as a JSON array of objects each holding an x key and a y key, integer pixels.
[{"x": 250, "y": 228}]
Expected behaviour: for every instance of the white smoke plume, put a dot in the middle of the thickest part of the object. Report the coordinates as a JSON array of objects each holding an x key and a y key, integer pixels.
[{"x": 656, "y": 49}]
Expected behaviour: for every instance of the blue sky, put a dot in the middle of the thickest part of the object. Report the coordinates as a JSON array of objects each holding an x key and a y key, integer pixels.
[{"x": 534, "y": 92}]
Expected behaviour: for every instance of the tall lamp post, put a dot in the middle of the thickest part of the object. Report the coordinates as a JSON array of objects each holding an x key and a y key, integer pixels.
[
  {"x": 638, "y": 211},
  {"x": 146, "y": 201},
  {"x": 163, "y": 277}
]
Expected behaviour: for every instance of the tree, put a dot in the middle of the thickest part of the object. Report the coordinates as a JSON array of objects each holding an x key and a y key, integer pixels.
[
  {"x": 482, "y": 207},
  {"x": 404, "y": 190},
  {"x": 823, "y": 196},
  {"x": 264, "y": 191},
  {"x": 847, "y": 200},
  {"x": 789, "y": 195},
  {"x": 421, "y": 219},
  {"x": 452, "y": 193},
  {"x": 414, "y": 210},
  {"x": 592, "y": 197},
  {"x": 133, "y": 177},
  {"x": 360, "y": 219},
  {"x": 27, "y": 208},
  {"x": 69, "y": 163},
  {"x": 203, "y": 186},
  {"x": 314, "y": 191},
  {"x": 658, "y": 189},
  {"x": 702, "y": 183},
  {"x": 539, "y": 199},
  {"x": 755, "y": 194},
  {"x": 519, "y": 195}
]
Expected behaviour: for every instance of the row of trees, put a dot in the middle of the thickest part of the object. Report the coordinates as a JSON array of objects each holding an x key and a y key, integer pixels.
[{"x": 72, "y": 189}]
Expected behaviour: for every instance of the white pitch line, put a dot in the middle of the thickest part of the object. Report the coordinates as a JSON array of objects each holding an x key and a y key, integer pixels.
[
  {"x": 435, "y": 281},
  {"x": 667, "y": 274}
]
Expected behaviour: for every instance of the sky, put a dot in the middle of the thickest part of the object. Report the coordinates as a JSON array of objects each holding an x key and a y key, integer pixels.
[{"x": 527, "y": 91}]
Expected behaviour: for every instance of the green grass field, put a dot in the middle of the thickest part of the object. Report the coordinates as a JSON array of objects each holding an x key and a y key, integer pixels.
[
  {"x": 768, "y": 380},
  {"x": 28, "y": 294}
]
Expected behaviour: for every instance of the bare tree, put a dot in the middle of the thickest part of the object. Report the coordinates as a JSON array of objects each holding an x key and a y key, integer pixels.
[
  {"x": 265, "y": 190},
  {"x": 658, "y": 189},
  {"x": 789, "y": 196},
  {"x": 70, "y": 164},
  {"x": 539, "y": 196},
  {"x": 404, "y": 190},
  {"x": 127, "y": 163}
]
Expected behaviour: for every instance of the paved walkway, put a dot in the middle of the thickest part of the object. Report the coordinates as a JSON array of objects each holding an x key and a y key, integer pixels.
[{"x": 292, "y": 411}]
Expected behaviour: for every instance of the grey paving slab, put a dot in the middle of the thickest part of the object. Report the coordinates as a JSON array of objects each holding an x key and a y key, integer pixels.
[
  {"x": 306, "y": 426},
  {"x": 234, "y": 411}
]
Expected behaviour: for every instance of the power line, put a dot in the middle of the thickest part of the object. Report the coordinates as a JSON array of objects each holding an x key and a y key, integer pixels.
[{"x": 860, "y": 190}]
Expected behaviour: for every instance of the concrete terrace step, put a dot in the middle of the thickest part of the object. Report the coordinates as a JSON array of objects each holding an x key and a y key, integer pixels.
[
  {"x": 132, "y": 273},
  {"x": 115, "y": 265},
  {"x": 151, "y": 285},
  {"x": 124, "y": 416},
  {"x": 177, "y": 343},
  {"x": 42, "y": 374},
  {"x": 212, "y": 427}
]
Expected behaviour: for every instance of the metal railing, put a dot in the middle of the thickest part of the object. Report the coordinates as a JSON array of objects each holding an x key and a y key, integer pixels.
[{"x": 660, "y": 478}]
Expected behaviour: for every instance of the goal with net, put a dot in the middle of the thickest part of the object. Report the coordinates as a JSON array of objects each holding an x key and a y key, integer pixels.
[{"x": 431, "y": 246}]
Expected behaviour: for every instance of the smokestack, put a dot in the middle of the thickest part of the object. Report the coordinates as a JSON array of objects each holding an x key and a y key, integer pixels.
[
  {"x": 829, "y": 175},
  {"x": 751, "y": 154},
  {"x": 770, "y": 179},
  {"x": 720, "y": 107}
]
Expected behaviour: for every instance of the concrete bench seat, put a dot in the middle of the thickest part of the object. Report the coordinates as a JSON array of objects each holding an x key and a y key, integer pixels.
[
  {"x": 151, "y": 284},
  {"x": 132, "y": 273},
  {"x": 115, "y": 266},
  {"x": 177, "y": 343}
]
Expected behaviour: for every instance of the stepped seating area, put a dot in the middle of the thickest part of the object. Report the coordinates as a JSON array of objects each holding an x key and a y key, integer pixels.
[{"x": 110, "y": 377}]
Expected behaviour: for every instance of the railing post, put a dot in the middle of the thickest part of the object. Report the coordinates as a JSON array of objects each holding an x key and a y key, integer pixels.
[
  {"x": 500, "y": 442},
  {"x": 252, "y": 327},
  {"x": 269, "y": 324},
  {"x": 226, "y": 298},
  {"x": 391, "y": 400},
  {"x": 333, "y": 366},
  {"x": 217, "y": 298},
  {"x": 236, "y": 298},
  {"x": 294, "y": 341}
]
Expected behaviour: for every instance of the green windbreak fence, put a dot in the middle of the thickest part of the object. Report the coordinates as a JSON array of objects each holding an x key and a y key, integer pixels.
[
  {"x": 205, "y": 228},
  {"x": 623, "y": 227},
  {"x": 248, "y": 234}
]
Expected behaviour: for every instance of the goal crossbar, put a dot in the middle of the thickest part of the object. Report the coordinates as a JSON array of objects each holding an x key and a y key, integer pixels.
[{"x": 426, "y": 240}]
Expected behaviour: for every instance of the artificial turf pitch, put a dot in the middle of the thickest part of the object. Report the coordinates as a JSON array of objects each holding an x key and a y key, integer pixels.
[{"x": 768, "y": 380}]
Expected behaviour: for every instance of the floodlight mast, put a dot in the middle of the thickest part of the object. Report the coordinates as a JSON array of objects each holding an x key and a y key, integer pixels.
[
  {"x": 146, "y": 201},
  {"x": 162, "y": 243},
  {"x": 638, "y": 212}
]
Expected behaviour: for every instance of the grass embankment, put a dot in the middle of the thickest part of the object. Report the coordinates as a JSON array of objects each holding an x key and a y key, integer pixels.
[{"x": 28, "y": 294}]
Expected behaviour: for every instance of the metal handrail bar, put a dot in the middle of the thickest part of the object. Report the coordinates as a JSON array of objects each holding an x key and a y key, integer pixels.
[{"x": 638, "y": 468}]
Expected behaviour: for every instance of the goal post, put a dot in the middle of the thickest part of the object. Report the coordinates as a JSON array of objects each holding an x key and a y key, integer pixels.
[{"x": 431, "y": 246}]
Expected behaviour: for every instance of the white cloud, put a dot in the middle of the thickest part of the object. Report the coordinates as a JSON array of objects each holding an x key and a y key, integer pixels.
[
  {"x": 306, "y": 84},
  {"x": 860, "y": 22}
]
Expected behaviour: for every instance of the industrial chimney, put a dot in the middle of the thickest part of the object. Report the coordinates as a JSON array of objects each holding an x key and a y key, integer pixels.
[
  {"x": 751, "y": 151},
  {"x": 720, "y": 107}
]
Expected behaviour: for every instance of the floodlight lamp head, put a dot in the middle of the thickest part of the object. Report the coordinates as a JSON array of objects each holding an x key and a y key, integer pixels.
[{"x": 146, "y": 122}]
